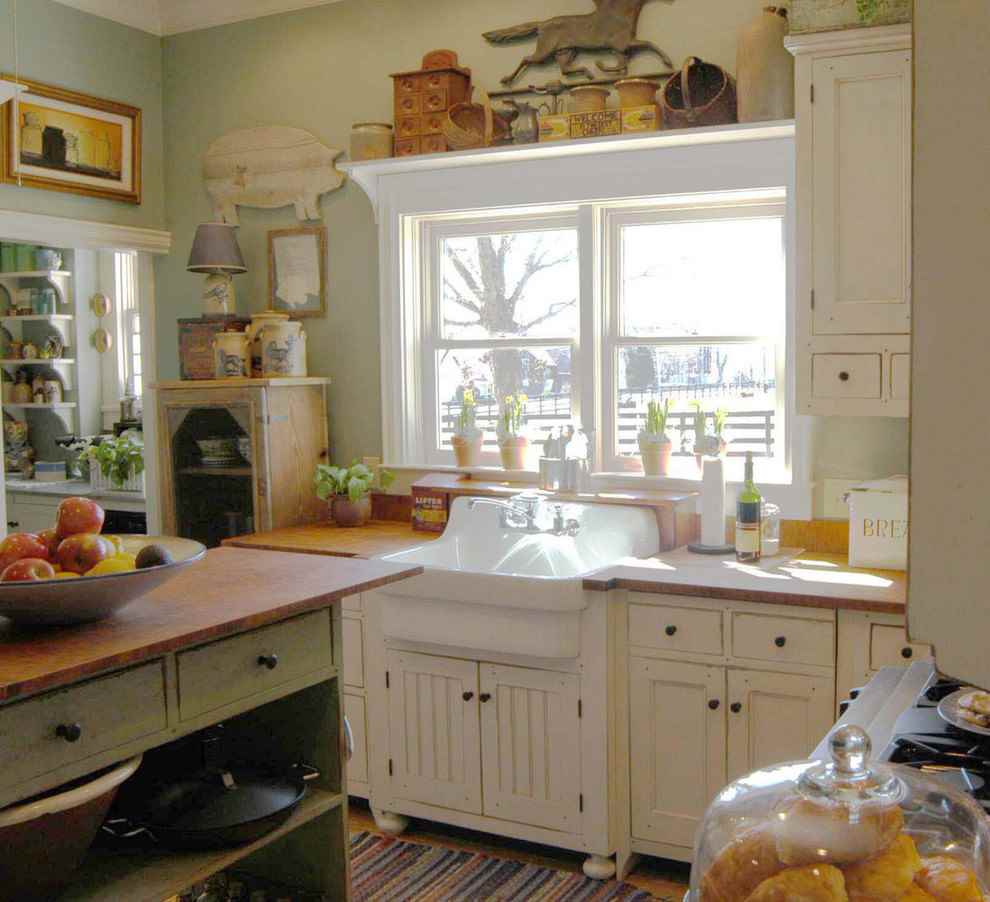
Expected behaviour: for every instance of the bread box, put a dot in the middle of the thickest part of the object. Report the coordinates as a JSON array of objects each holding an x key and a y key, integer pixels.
[{"x": 878, "y": 523}]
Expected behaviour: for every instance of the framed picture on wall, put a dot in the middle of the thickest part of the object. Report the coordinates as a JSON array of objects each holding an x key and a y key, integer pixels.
[
  {"x": 65, "y": 141},
  {"x": 297, "y": 271}
]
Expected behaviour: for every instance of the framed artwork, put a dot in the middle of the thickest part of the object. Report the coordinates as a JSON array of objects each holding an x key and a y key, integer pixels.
[
  {"x": 297, "y": 271},
  {"x": 65, "y": 141}
]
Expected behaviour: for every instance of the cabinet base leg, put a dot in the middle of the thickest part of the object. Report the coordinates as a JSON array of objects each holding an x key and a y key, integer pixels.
[
  {"x": 389, "y": 822},
  {"x": 597, "y": 867}
]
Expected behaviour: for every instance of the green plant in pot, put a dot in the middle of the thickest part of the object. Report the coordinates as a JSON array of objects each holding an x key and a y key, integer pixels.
[
  {"x": 512, "y": 444},
  {"x": 119, "y": 458},
  {"x": 709, "y": 444},
  {"x": 655, "y": 447},
  {"x": 348, "y": 489},
  {"x": 468, "y": 437}
]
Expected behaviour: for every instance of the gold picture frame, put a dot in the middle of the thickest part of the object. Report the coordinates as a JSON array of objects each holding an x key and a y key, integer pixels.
[
  {"x": 62, "y": 140},
  {"x": 304, "y": 249}
]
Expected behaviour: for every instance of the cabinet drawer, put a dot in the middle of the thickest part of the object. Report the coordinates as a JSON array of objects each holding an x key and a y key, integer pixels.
[
  {"x": 223, "y": 672},
  {"x": 408, "y": 126},
  {"x": 889, "y": 647},
  {"x": 407, "y": 147},
  {"x": 353, "y": 641},
  {"x": 409, "y": 105},
  {"x": 432, "y": 123},
  {"x": 409, "y": 84},
  {"x": 434, "y": 101},
  {"x": 785, "y": 639},
  {"x": 900, "y": 377},
  {"x": 110, "y": 711},
  {"x": 433, "y": 143},
  {"x": 434, "y": 80},
  {"x": 838, "y": 376},
  {"x": 676, "y": 629}
]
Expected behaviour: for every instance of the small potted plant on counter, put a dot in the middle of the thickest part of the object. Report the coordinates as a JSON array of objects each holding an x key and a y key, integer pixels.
[
  {"x": 348, "y": 489},
  {"x": 512, "y": 445},
  {"x": 467, "y": 436},
  {"x": 709, "y": 444},
  {"x": 655, "y": 447},
  {"x": 117, "y": 459}
]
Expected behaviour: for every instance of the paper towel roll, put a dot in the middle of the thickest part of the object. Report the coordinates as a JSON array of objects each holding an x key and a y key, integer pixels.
[{"x": 713, "y": 502}]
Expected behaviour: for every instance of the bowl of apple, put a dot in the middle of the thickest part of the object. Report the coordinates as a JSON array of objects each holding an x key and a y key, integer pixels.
[{"x": 74, "y": 573}]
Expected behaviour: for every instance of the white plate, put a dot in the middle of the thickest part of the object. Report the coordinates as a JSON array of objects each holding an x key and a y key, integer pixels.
[{"x": 948, "y": 710}]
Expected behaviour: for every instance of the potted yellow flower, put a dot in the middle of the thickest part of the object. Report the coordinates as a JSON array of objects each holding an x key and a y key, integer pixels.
[
  {"x": 467, "y": 438},
  {"x": 655, "y": 446},
  {"x": 512, "y": 444}
]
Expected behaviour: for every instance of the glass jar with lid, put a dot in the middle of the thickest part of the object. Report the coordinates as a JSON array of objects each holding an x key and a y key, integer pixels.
[{"x": 846, "y": 829}]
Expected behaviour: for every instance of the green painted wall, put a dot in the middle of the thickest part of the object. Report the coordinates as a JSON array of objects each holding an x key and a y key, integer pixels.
[{"x": 72, "y": 49}]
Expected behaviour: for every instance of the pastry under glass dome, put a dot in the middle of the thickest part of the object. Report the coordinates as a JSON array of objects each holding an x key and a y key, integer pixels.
[{"x": 846, "y": 829}]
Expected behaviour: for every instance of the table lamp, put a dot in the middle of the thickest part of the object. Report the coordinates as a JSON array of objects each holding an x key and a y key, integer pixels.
[{"x": 215, "y": 252}]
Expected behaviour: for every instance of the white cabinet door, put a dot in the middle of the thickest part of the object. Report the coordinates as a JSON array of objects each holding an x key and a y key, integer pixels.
[
  {"x": 433, "y": 730},
  {"x": 677, "y": 746},
  {"x": 775, "y": 717},
  {"x": 357, "y": 766},
  {"x": 531, "y": 746},
  {"x": 29, "y": 516},
  {"x": 862, "y": 194}
]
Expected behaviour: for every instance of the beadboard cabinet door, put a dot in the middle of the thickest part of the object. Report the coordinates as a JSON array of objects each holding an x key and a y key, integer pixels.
[
  {"x": 677, "y": 744},
  {"x": 862, "y": 194},
  {"x": 775, "y": 717},
  {"x": 434, "y": 733},
  {"x": 531, "y": 746}
]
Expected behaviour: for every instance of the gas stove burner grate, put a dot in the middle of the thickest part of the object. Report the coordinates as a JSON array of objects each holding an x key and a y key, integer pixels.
[
  {"x": 942, "y": 687},
  {"x": 953, "y": 759}
]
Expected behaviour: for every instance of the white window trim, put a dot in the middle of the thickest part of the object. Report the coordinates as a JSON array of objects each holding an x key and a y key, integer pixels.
[{"x": 403, "y": 196}]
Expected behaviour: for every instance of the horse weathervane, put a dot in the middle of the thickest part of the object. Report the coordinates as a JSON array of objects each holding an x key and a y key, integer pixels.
[{"x": 611, "y": 27}]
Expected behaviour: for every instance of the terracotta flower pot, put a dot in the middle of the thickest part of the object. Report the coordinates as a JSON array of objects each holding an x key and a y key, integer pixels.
[
  {"x": 655, "y": 456},
  {"x": 350, "y": 513},
  {"x": 467, "y": 451},
  {"x": 513, "y": 452}
]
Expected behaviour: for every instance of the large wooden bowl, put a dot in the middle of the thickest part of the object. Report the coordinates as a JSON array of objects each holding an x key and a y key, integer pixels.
[{"x": 63, "y": 602}]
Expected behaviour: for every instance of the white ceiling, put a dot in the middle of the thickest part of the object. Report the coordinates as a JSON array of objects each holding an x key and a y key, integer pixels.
[{"x": 164, "y": 17}]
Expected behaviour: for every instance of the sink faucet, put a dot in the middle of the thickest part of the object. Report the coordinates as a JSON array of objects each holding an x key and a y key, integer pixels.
[{"x": 519, "y": 512}]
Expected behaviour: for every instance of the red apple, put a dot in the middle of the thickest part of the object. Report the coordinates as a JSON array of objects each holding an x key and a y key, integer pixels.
[
  {"x": 80, "y": 553},
  {"x": 51, "y": 541},
  {"x": 27, "y": 568},
  {"x": 20, "y": 545},
  {"x": 78, "y": 515}
]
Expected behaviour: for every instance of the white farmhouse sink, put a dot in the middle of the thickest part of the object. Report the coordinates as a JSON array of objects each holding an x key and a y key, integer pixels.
[{"x": 488, "y": 587}]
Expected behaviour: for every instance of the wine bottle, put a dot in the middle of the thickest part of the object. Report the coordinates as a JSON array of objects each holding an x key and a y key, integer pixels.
[{"x": 748, "y": 516}]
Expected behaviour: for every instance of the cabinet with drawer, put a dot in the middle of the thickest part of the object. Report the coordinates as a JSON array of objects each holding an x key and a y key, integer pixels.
[
  {"x": 783, "y": 640},
  {"x": 233, "y": 670},
  {"x": 422, "y": 99},
  {"x": 49, "y": 731},
  {"x": 676, "y": 628}
]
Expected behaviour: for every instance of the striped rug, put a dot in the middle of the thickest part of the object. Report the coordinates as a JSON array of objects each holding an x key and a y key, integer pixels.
[{"x": 384, "y": 868}]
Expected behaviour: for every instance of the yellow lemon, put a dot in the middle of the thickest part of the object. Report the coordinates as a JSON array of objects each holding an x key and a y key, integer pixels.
[
  {"x": 110, "y": 565},
  {"x": 127, "y": 558},
  {"x": 66, "y": 574},
  {"x": 116, "y": 541}
]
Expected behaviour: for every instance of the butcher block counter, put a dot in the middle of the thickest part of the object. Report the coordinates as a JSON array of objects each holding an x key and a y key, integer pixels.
[
  {"x": 793, "y": 577},
  {"x": 252, "y": 639},
  {"x": 375, "y": 539}
]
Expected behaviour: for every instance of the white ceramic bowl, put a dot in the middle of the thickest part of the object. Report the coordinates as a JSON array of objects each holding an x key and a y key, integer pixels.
[{"x": 61, "y": 602}]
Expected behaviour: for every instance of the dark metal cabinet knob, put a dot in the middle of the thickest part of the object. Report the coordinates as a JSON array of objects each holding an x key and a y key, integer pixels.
[
  {"x": 843, "y": 376},
  {"x": 907, "y": 652},
  {"x": 713, "y": 704},
  {"x": 70, "y": 732},
  {"x": 269, "y": 661},
  {"x": 735, "y": 707},
  {"x": 12, "y": 524},
  {"x": 670, "y": 630},
  {"x": 780, "y": 641},
  {"x": 485, "y": 696},
  {"x": 467, "y": 696}
]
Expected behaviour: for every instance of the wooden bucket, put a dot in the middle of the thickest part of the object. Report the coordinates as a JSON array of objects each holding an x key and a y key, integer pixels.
[{"x": 700, "y": 94}]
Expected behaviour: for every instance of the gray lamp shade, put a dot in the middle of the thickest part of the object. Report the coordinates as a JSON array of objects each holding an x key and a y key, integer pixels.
[{"x": 215, "y": 250}]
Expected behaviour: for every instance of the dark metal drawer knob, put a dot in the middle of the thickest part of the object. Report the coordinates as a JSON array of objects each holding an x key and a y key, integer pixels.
[
  {"x": 670, "y": 630},
  {"x": 843, "y": 376},
  {"x": 735, "y": 707},
  {"x": 269, "y": 661},
  {"x": 780, "y": 641},
  {"x": 70, "y": 732},
  {"x": 467, "y": 696},
  {"x": 713, "y": 704},
  {"x": 907, "y": 652},
  {"x": 485, "y": 696}
]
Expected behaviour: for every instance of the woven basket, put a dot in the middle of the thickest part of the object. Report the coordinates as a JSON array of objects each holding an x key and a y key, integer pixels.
[
  {"x": 470, "y": 125},
  {"x": 700, "y": 94}
]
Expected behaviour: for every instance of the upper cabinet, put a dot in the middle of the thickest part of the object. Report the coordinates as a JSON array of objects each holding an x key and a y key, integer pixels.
[{"x": 853, "y": 202}]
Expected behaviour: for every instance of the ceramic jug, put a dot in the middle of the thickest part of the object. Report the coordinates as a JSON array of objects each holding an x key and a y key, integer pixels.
[
  {"x": 765, "y": 69},
  {"x": 283, "y": 349},
  {"x": 231, "y": 355},
  {"x": 258, "y": 322}
]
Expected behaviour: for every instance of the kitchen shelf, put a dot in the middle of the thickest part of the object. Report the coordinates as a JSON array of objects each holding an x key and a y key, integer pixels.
[
  {"x": 39, "y": 318},
  {"x": 216, "y": 471},
  {"x": 150, "y": 875},
  {"x": 35, "y": 361},
  {"x": 62, "y": 405},
  {"x": 35, "y": 274}
]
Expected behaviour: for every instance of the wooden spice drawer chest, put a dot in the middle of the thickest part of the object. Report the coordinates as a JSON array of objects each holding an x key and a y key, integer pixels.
[{"x": 422, "y": 99}]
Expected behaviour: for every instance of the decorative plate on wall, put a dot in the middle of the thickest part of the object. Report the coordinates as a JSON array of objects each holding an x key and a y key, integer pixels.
[
  {"x": 100, "y": 304},
  {"x": 102, "y": 340}
]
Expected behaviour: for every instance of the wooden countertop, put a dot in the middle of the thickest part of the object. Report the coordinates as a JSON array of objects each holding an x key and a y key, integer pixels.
[
  {"x": 231, "y": 590},
  {"x": 791, "y": 578},
  {"x": 375, "y": 538}
]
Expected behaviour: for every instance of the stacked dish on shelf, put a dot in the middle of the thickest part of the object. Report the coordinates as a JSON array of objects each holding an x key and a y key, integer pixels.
[{"x": 218, "y": 452}]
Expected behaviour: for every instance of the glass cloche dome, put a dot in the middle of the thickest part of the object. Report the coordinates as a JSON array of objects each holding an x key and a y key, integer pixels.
[{"x": 847, "y": 829}]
